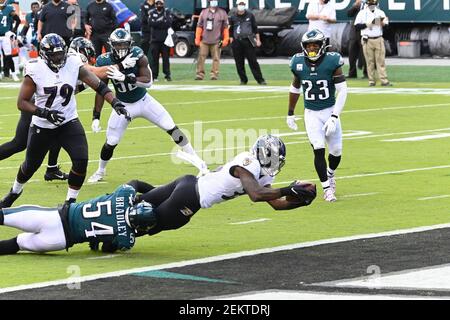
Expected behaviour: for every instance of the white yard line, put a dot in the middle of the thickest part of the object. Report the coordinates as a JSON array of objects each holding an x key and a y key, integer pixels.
[
  {"x": 251, "y": 221},
  {"x": 420, "y": 138},
  {"x": 359, "y": 195},
  {"x": 434, "y": 197},
  {"x": 223, "y": 257}
]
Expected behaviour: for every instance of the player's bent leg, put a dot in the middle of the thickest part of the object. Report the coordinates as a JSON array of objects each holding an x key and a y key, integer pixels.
[
  {"x": 321, "y": 169},
  {"x": 53, "y": 171},
  {"x": 19, "y": 142},
  {"x": 9, "y": 246},
  {"x": 105, "y": 155},
  {"x": 334, "y": 156}
]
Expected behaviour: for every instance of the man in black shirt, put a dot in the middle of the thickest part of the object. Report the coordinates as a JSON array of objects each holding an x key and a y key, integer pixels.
[
  {"x": 160, "y": 20},
  {"x": 244, "y": 38},
  {"x": 146, "y": 7},
  {"x": 53, "y": 19},
  {"x": 100, "y": 22},
  {"x": 355, "y": 51}
]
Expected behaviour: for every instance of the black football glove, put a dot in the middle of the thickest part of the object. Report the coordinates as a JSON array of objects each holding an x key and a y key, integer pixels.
[
  {"x": 54, "y": 116},
  {"x": 94, "y": 244},
  {"x": 109, "y": 247},
  {"x": 304, "y": 192},
  {"x": 130, "y": 78},
  {"x": 120, "y": 109}
]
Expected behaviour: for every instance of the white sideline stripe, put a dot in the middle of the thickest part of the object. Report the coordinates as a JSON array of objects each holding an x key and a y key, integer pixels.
[
  {"x": 109, "y": 256},
  {"x": 435, "y": 197},
  {"x": 251, "y": 221},
  {"x": 223, "y": 257},
  {"x": 359, "y": 195},
  {"x": 420, "y": 138}
]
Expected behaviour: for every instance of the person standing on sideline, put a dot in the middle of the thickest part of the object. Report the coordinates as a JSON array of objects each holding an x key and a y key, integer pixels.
[
  {"x": 160, "y": 21},
  {"x": 100, "y": 22},
  {"x": 145, "y": 9},
  {"x": 321, "y": 14},
  {"x": 371, "y": 21},
  {"x": 212, "y": 28},
  {"x": 355, "y": 52},
  {"x": 53, "y": 19},
  {"x": 244, "y": 40}
]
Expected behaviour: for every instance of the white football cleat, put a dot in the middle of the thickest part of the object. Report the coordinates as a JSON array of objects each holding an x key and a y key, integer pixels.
[
  {"x": 97, "y": 176},
  {"x": 329, "y": 195},
  {"x": 332, "y": 181},
  {"x": 15, "y": 77}
]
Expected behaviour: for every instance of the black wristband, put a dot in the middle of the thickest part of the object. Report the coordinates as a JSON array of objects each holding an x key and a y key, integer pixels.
[
  {"x": 95, "y": 115},
  {"x": 287, "y": 191},
  {"x": 121, "y": 68},
  {"x": 103, "y": 89},
  {"x": 40, "y": 112},
  {"x": 290, "y": 113},
  {"x": 335, "y": 116}
]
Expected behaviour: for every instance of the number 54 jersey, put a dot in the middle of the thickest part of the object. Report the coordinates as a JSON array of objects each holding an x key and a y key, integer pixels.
[
  {"x": 317, "y": 79},
  {"x": 55, "y": 90},
  {"x": 104, "y": 218}
]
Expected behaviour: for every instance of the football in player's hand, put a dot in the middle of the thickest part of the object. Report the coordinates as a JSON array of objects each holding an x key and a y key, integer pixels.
[{"x": 306, "y": 191}]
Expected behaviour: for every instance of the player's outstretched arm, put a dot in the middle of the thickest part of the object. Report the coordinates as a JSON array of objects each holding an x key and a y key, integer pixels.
[{"x": 255, "y": 192}]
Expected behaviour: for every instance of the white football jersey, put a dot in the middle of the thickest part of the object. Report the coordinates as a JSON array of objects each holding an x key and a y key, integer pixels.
[
  {"x": 55, "y": 91},
  {"x": 220, "y": 185}
]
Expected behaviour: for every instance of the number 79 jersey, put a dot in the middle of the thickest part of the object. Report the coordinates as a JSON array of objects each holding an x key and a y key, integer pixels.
[
  {"x": 55, "y": 90},
  {"x": 317, "y": 80},
  {"x": 104, "y": 218}
]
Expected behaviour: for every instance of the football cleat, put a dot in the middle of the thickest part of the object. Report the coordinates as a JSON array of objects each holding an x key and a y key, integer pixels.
[
  {"x": 15, "y": 77},
  {"x": 9, "y": 199},
  {"x": 97, "y": 176},
  {"x": 55, "y": 175},
  {"x": 329, "y": 195}
]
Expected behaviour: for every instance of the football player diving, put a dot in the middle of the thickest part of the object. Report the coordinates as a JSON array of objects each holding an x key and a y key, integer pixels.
[
  {"x": 131, "y": 86},
  {"x": 319, "y": 75},
  {"x": 250, "y": 173},
  {"x": 113, "y": 218},
  {"x": 47, "y": 92}
]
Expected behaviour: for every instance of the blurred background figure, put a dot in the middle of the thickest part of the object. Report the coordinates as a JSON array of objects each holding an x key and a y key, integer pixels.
[
  {"x": 211, "y": 34},
  {"x": 145, "y": 9},
  {"x": 9, "y": 22},
  {"x": 54, "y": 19},
  {"x": 321, "y": 14},
  {"x": 244, "y": 41},
  {"x": 355, "y": 51},
  {"x": 100, "y": 23},
  {"x": 160, "y": 22}
]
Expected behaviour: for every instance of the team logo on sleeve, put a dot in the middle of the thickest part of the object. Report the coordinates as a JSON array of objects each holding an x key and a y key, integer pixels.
[
  {"x": 246, "y": 162},
  {"x": 299, "y": 67}
]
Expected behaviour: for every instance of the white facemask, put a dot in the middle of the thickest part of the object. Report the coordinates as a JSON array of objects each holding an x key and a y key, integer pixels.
[
  {"x": 241, "y": 7},
  {"x": 213, "y": 3}
]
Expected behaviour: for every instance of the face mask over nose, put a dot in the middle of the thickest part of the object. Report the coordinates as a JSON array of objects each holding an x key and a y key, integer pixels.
[
  {"x": 241, "y": 7},
  {"x": 213, "y": 3}
]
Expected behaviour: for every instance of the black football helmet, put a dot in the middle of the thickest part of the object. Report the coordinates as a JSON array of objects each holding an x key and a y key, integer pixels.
[
  {"x": 142, "y": 217},
  {"x": 271, "y": 154},
  {"x": 120, "y": 41},
  {"x": 53, "y": 50},
  {"x": 85, "y": 48},
  {"x": 314, "y": 36}
]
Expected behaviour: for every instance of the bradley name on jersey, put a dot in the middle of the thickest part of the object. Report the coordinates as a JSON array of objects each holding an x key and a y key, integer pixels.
[
  {"x": 317, "y": 79},
  {"x": 55, "y": 90}
]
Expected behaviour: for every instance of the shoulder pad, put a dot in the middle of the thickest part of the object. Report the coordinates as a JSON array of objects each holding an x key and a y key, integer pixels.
[
  {"x": 103, "y": 60},
  {"x": 137, "y": 52}
]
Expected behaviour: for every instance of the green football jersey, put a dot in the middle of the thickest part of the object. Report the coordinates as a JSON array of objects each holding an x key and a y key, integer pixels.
[
  {"x": 6, "y": 19},
  {"x": 30, "y": 20},
  {"x": 125, "y": 92},
  {"x": 104, "y": 218},
  {"x": 317, "y": 81}
]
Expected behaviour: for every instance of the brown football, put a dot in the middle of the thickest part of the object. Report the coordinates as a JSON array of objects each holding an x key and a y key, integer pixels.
[{"x": 306, "y": 184}]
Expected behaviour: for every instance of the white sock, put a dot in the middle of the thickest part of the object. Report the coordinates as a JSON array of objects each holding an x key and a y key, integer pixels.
[
  {"x": 330, "y": 172},
  {"x": 188, "y": 148},
  {"x": 102, "y": 165},
  {"x": 17, "y": 187},
  {"x": 325, "y": 185},
  {"x": 72, "y": 193}
]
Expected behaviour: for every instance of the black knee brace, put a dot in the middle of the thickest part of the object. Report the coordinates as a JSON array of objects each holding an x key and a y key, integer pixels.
[
  {"x": 178, "y": 136},
  {"x": 107, "y": 152},
  {"x": 78, "y": 173}
]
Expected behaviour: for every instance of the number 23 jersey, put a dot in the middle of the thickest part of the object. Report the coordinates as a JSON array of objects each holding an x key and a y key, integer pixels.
[
  {"x": 55, "y": 90},
  {"x": 317, "y": 79}
]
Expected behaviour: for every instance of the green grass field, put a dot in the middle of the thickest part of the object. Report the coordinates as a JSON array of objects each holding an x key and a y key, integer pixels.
[{"x": 378, "y": 188}]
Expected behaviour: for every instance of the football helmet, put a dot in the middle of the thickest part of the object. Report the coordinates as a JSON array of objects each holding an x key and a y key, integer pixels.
[
  {"x": 317, "y": 37},
  {"x": 53, "y": 50},
  {"x": 271, "y": 154},
  {"x": 142, "y": 217},
  {"x": 85, "y": 49},
  {"x": 120, "y": 41}
]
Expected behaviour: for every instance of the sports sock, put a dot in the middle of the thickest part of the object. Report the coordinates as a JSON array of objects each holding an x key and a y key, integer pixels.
[
  {"x": 17, "y": 187},
  {"x": 72, "y": 193},
  {"x": 330, "y": 172},
  {"x": 325, "y": 185},
  {"x": 102, "y": 165},
  {"x": 9, "y": 246}
]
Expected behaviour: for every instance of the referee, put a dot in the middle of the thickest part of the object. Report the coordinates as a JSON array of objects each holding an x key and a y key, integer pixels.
[{"x": 100, "y": 22}]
